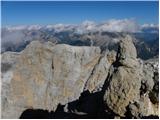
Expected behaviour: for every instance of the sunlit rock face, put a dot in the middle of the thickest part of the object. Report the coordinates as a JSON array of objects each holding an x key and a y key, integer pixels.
[
  {"x": 125, "y": 81},
  {"x": 130, "y": 84},
  {"x": 45, "y": 75},
  {"x": 84, "y": 80}
]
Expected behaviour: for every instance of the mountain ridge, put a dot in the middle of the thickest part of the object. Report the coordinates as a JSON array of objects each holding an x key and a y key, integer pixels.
[{"x": 76, "y": 81}]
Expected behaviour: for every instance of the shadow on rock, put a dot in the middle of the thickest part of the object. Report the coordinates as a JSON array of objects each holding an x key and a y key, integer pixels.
[{"x": 88, "y": 106}]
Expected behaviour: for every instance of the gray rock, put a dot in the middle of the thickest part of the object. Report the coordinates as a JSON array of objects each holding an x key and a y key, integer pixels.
[
  {"x": 143, "y": 107},
  {"x": 45, "y": 75},
  {"x": 127, "y": 54},
  {"x": 100, "y": 72},
  {"x": 153, "y": 82},
  {"x": 149, "y": 92},
  {"x": 132, "y": 84},
  {"x": 124, "y": 81}
]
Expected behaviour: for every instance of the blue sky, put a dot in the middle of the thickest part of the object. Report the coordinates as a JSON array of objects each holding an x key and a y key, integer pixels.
[{"x": 52, "y": 12}]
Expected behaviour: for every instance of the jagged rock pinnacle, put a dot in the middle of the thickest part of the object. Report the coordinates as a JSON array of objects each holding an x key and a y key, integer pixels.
[{"x": 127, "y": 54}]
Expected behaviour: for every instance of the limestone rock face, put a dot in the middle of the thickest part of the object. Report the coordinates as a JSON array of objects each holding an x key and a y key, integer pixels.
[
  {"x": 45, "y": 75},
  {"x": 124, "y": 82},
  {"x": 149, "y": 88},
  {"x": 132, "y": 84},
  {"x": 147, "y": 104},
  {"x": 99, "y": 73},
  {"x": 83, "y": 80},
  {"x": 127, "y": 54},
  {"x": 150, "y": 79}
]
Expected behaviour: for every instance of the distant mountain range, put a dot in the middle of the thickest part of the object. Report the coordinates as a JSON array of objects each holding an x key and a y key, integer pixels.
[{"x": 105, "y": 35}]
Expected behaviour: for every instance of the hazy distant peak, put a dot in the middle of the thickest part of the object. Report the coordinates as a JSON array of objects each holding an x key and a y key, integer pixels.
[{"x": 112, "y": 25}]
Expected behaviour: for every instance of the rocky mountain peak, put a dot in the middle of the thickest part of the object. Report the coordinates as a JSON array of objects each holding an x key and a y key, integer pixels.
[
  {"x": 124, "y": 82},
  {"x": 82, "y": 81},
  {"x": 127, "y": 54}
]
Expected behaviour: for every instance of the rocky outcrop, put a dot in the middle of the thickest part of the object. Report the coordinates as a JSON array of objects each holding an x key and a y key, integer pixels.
[
  {"x": 45, "y": 75},
  {"x": 81, "y": 80},
  {"x": 124, "y": 82},
  {"x": 128, "y": 83},
  {"x": 147, "y": 105}
]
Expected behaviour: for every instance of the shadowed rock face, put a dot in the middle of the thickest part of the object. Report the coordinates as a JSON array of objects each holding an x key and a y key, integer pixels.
[{"x": 55, "y": 78}]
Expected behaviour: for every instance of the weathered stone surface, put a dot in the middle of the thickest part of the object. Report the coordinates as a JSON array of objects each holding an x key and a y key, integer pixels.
[
  {"x": 127, "y": 54},
  {"x": 83, "y": 79},
  {"x": 124, "y": 82},
  {"x": 45, "y": 75},
  {"x": 133, "y": 84},
  {"x": 100, "y": 72},
  {"x": 151, "y": 79},
  {"x": 143, "y": 107},
  {"x": 150, "y": 93}
]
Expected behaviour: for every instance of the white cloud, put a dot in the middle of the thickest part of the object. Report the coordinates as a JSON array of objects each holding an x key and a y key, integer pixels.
[
  {"x": 23, "y": 27},
  {"x": 16, "y": 35},
  {"x": 149, "y": 25},
  {"x": 113, "y": 25},
  {"x": 12, "y": 39},
  {"x": 150, "y": 28},
  {"x": 34, "y": 27},
  {"x": 89, "y": 25},
  {"x": 86, "y": 26},
  {"x": 59, "y": 27},
  {"x": 13, "y": 28},
  {"x": 124, "y": 25}
]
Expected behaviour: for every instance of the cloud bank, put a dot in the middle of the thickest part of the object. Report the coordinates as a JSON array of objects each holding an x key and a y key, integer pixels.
[
  {"x": 125, "y": 25},
  {"x": 113, "y": 25},
  {"x": 19, "y": 35}
]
